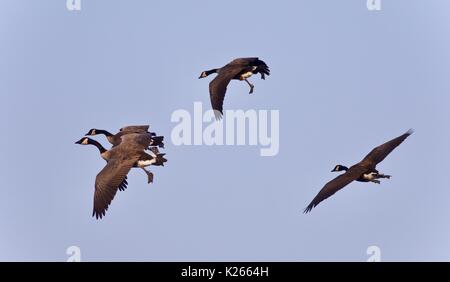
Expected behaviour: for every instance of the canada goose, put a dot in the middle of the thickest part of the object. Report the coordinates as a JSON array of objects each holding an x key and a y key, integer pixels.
[
  {"x": 364, "y": 171},
  {"x": 115, "y": 139},
  {"x": 239, "y": 69},
  {"x": 132, "y": 138},
  {"x": 120, "y": 159}
]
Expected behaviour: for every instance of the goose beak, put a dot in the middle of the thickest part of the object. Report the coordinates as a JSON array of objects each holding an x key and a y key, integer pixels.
[{"x": 78, "y": 142}]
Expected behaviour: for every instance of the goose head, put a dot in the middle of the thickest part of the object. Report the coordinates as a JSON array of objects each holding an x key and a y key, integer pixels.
[
  {"x": 84, "y": 141},
  {"x": 206, "y": 73},
  {"x": 203, "y": 75},
  {"x": 91, "y": 132},
  {"x": 339, "y": 168}
]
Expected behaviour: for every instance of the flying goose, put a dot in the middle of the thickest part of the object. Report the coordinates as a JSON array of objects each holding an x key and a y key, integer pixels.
[
  {"x": 120, "y": 159},
  {"x": 239, "y": 69},
  {"x": 364, "y": 171},
  {"x": 132, "y": 138},
  {"x": 115, "y": 139}
]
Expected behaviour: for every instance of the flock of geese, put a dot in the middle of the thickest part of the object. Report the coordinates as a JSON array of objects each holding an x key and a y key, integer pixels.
[
  {"x": 135, "y": 146},
  {"x": 132, "y": 146}
]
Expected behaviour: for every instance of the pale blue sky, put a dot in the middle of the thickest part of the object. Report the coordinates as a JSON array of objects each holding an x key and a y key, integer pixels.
[{"x": 344, "y": 79}]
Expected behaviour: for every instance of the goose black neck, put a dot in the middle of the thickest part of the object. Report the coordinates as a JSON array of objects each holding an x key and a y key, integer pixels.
[
  {"x": 343, "y": 167},
  {"x": 106, "y": 133},
  {"x": 208, "y": 72},
  {"x": 98, "y": 145}
]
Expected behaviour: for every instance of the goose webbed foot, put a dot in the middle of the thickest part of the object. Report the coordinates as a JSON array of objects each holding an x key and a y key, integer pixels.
[
  {"x": 376, "y": 181},
  {"x": 385, "y": 176},
  {"x": 149, "y": 176},
  {"x": 251, "y": 86}
]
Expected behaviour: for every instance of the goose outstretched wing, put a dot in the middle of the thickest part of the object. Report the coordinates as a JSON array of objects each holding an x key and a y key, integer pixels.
[
  {"x": 335, "y": 185},
  {"x": 107, "y": 182},
  {"x": 379, "y": 153}
]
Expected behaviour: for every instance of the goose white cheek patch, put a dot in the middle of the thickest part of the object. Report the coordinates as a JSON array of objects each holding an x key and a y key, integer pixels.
[{"x": 238, "y": 128}]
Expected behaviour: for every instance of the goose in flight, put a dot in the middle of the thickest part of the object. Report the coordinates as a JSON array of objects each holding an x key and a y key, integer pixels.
[
  {"x": 119, "y": 160},
  {"x": 364, "y": 171},
  {"x": 239, "y": 69}
]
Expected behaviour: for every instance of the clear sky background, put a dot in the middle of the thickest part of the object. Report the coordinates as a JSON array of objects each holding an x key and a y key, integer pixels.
[{"x": 344, "y": 79}]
